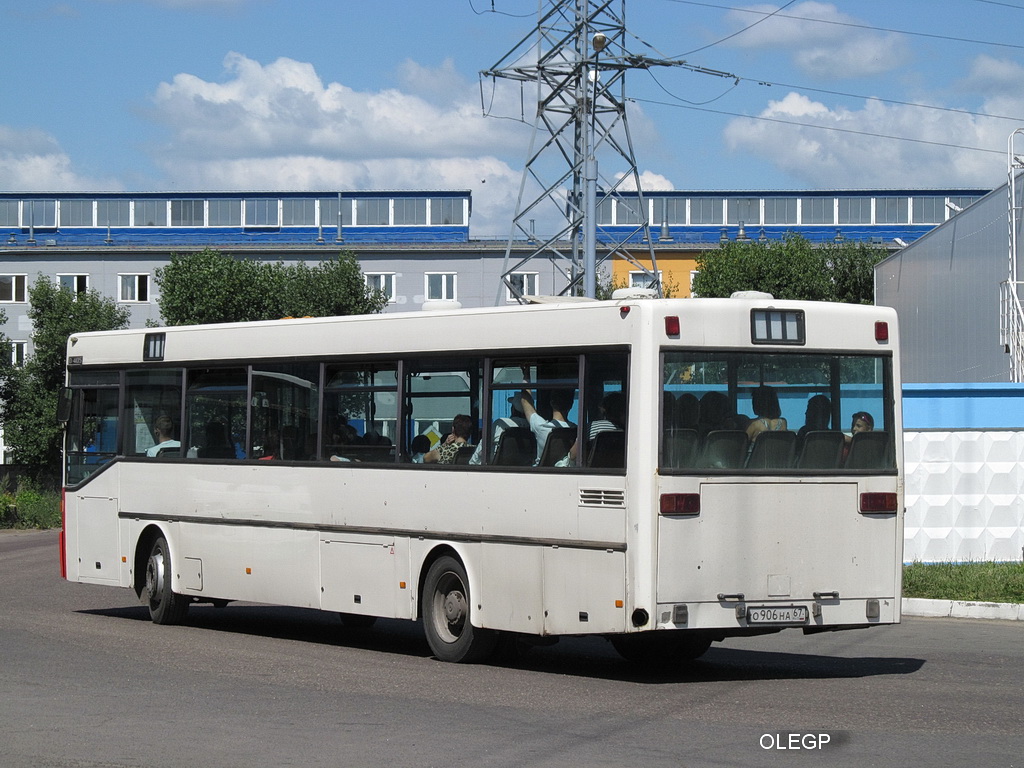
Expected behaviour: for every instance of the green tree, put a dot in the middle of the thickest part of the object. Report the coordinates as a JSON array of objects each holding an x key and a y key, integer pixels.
[
  {"x": 28, "y": 395},
  {"x": 210, "y": 287},
  {"x": 792, "y": 268}
]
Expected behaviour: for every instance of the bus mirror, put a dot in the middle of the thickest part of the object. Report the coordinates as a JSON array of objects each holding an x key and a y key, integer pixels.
[{"x": 64, "y": 405}]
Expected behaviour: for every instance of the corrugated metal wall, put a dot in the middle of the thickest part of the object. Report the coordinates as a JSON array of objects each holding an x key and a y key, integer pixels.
[{"x": 945, "y": 287}]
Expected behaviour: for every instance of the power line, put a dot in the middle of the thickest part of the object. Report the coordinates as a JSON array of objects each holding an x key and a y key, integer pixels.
[
  {"x": 850, "y": 24},
  {"x": 819, "y": 127}
]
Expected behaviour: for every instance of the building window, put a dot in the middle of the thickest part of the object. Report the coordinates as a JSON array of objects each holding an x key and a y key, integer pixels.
[
  {"x": 447, "y": 210},
  {"x": 929, "y": 210},
  {"x": 383, "y": 282},
  {"x": 187, "y": 213},
  {"x": 75, "y": 283},
  {"x": 18, "y": 351},
  {"x": 261, "y": 213},
  {"x": 12, "y": 289},
  {"x": 705, "y": 210},
  {"x": 780, "y": 210},
  {"x": 746, "y": 210},
  {"x": 40, "y": 213},
  {"x": 8, "y": 213},
  {"x": 964, "y": 201},
  {"x": 225, "y": 213},
  {"x": 373, "y": 211},
  {"x": 891, "y": 210},
  {"x": 629, "y": 211},
  {"x": 299, "y": 212},
  {"x": 604, "y": 211},
  {"x": 817, "y": 210},
  {"x": 523, "y": 284},
  {"x": 329, "y": 211},
  {"x": 113, "y": 213},
  {"x": 639, "y": 279},
  {"x": 440, "y": 286},
  {"x": 669, "y": 210},
  {"x": 133, "y": 288},
  {"x": 854, "y": 210},
  {"x": 410, "y": 211},
  {"x": 76, "y": 213},
  {"x": 150, "y": 213}
]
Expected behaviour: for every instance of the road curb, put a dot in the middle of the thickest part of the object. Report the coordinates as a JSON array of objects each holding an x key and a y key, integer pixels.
[{"x": 962, "y": 609}]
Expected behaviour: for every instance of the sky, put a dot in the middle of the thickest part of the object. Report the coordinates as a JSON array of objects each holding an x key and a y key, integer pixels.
[{"x": 321, "y": 95}]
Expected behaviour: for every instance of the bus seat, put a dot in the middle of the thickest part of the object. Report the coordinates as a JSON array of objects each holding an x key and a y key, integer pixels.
[
  {"x": 680, "y": 448},
  {"x": 608, "y": 450},
  {"x": 772, "y": 450},
  {"x": 869, "y": 450},
  {"x": 465, "y": 454},
  {"x": 557, "y": 446},
  {"x": 724, "y": 449},
  {"x": 169, "y": 452},
  {"x": 517, "y": 447},
  {"x": 821, "y": 449}
]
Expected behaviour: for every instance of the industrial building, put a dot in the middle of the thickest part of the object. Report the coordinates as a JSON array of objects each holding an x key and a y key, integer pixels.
[{"x": 413, "y": 245}]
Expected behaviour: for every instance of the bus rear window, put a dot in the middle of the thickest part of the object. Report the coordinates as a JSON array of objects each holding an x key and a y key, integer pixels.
[{"x": 776, "y": 412}]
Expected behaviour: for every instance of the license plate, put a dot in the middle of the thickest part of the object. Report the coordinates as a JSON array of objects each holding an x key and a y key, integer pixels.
[{"x": 777, "y": 614}]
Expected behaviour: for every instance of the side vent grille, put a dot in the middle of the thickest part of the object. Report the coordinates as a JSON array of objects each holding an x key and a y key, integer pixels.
[{"x": 602, "y": 497}]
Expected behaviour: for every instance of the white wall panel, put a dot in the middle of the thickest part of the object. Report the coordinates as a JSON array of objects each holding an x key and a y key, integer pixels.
[{"x": 964, "y": 496}]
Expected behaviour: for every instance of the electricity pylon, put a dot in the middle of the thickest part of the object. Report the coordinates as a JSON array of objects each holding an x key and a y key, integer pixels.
[{"x": 578, "y": 59}]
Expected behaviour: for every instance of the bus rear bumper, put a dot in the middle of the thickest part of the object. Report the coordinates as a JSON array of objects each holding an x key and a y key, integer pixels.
[{"x": 757, "y": 616}]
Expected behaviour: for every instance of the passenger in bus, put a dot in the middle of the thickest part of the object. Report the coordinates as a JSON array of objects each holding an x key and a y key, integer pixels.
[
  {"x": 419, "y": 447},
  {"x": 817, "y": 417},
  {"x": 561, "y": 403},
  {"x": 687, "y": 411},
  {"x": 767, "y": 412},
  {"x": 163, "y": 433},
  {"x": 714, "y": 413},
  {"x": 515, "y": 419},
  {"x": 218, "y": 444},
  {"x": 448, "y": 450},
  {"x": 612, "y": 412},
  {"x": 862, "y": 422}
]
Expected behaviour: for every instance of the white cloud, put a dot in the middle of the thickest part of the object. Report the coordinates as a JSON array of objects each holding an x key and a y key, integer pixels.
[
  {"x": 822, "y": 41},
  {"x": 32, "y": 160},
  {"x": 279, "y": 126},
  {"x": 649, "y": 180},
  {"x": 854, "y": 151}
]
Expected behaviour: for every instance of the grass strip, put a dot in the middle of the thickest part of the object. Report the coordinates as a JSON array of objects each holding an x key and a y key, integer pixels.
[{"x": 981, "y": 581}]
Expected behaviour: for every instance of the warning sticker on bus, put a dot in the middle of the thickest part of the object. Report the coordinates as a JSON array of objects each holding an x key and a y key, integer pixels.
[{"x": 777, "y": 614}]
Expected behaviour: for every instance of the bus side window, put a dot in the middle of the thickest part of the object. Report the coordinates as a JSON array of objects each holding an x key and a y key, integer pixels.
[
  {"x": 153, "y": 403},
  {"x": 215, "y": 413}
]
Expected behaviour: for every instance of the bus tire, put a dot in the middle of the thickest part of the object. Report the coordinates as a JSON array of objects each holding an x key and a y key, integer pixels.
[
  {"x": 446, "y": 620},
  {"x": 165, "y": 605},
  {"x": 663, "y": 649}
]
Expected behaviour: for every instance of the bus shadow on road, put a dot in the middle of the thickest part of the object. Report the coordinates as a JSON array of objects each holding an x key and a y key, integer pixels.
[{"x": 578, "y": 656}]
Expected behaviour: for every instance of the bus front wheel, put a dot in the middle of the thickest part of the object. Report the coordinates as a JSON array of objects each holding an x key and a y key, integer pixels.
[
  {"x": 165, "y": 605},
  {"x": 446, "y": 609}
]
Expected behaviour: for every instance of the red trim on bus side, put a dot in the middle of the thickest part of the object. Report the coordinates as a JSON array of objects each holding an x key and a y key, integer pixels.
[{"x": 62, "y": 539}]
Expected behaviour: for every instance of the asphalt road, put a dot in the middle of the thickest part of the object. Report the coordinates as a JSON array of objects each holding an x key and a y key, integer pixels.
[{"x": 86, "y": 681}]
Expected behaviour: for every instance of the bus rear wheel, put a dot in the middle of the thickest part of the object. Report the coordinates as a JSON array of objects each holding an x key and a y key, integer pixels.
[
  {"x": 165, "y": 605},
  {"x": 446, "y": 609}
]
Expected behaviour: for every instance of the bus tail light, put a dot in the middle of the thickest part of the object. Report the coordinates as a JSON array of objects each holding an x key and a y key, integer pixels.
[
  {"x": 672, "y": 326},
  {"x": 878, "y": 502},
  {"x": 680, "y": 504},
  {"x": 881, "y": 331}
]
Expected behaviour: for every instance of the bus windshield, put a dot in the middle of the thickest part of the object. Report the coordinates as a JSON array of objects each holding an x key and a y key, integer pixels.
[{"x": 769, "y": 412}]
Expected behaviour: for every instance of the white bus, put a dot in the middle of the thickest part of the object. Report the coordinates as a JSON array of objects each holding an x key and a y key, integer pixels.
[{"x": 650, "y": 516}]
